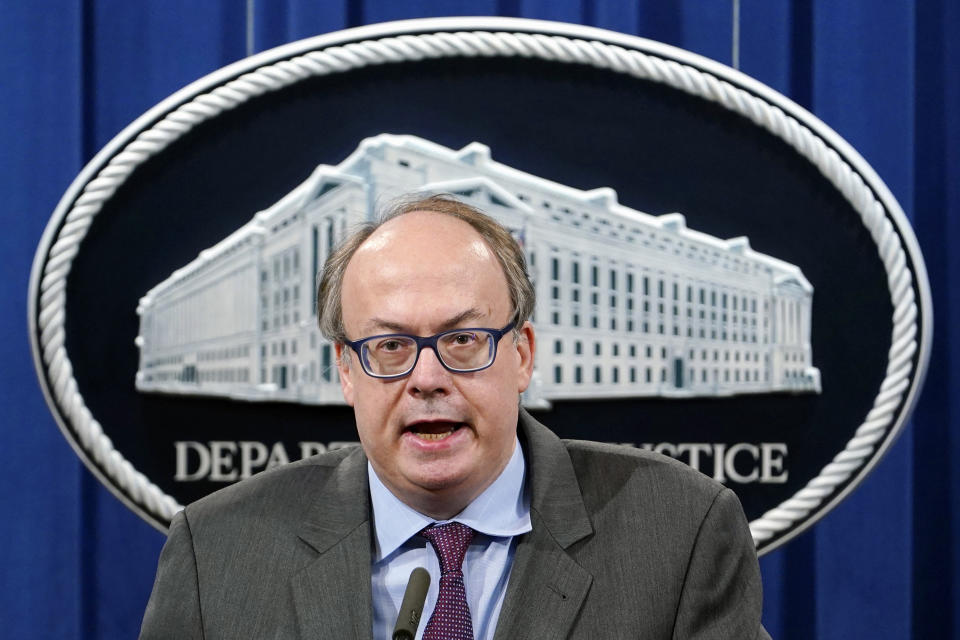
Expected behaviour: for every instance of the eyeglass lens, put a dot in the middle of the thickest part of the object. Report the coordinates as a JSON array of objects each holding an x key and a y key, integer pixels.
[{"x": 460, "y": 350}]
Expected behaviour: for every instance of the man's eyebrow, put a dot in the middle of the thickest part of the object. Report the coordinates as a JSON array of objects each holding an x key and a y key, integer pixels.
[{"x": 470, "y": 314}]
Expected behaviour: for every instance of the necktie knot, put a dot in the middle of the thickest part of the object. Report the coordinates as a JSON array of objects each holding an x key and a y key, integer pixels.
[{"x": 450, "y": 541}]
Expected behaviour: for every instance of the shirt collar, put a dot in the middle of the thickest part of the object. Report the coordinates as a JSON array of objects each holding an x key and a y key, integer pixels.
[{"x": 503, "y": 509}]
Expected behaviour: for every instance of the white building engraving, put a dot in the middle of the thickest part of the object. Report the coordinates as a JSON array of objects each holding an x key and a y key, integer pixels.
[{"x": 628, "y": 304}]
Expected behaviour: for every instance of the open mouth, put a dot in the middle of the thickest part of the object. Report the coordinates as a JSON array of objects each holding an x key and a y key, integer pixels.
[{"x": 436, "y": 430}]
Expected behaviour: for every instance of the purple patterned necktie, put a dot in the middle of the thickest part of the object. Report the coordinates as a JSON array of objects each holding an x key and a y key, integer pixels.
[{"x": 451, "y": 615}]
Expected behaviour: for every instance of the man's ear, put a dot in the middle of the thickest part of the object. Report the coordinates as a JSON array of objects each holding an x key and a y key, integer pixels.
[
  {"x": 526, "y": 349},
  {"x": 343, "y": 366}
]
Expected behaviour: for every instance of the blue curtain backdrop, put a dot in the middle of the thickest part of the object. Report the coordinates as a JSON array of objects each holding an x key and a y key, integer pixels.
[{"x": 76, "y": 563}]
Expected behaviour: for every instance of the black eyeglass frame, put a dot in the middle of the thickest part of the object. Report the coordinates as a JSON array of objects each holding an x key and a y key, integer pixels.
[{"x": 431, "y": 342}]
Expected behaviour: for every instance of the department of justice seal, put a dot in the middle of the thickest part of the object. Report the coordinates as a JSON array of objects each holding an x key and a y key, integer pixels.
[{"x": 719, "y": 276}]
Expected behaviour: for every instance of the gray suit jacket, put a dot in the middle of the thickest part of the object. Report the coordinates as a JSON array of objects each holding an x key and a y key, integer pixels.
[{"x": 625, "y": 544}]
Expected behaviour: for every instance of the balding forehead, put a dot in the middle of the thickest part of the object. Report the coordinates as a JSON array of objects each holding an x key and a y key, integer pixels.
[
  {"x": 430, "y": 228},
  {"x": 417, "y": 271}
]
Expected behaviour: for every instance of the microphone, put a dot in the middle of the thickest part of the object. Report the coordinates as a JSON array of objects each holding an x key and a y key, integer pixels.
[{"x": 413, "y": 599}]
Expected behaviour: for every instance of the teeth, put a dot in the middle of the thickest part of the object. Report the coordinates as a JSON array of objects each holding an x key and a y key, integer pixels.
[{"x": 434, "y": 436}]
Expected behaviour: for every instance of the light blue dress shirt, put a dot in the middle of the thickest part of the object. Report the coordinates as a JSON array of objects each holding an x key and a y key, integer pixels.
[{"x": 498, "y": 514}]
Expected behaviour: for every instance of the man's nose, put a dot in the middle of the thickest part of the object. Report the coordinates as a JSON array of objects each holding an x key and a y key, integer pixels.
[{"x": 429, "y": 377}]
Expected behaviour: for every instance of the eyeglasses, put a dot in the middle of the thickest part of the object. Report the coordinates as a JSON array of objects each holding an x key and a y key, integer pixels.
[{"x": 394, "y": 355}]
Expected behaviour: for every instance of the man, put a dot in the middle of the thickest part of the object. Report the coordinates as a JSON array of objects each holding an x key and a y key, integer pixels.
[{"x": 525, "y": 535}]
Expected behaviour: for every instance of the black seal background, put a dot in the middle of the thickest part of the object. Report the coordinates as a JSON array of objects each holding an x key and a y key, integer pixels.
[{"x": 662, "y": 150}]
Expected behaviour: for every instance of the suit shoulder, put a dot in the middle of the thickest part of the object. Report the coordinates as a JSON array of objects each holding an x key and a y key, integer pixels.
[
  {"x": 614, "y": 465},
  {"x": 273, "y": 492}
]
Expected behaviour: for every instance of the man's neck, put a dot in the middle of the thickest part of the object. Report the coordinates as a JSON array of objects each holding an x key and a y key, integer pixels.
[
  {"x": 502, "y": 509},
  {"x": 445, "y": 503}
]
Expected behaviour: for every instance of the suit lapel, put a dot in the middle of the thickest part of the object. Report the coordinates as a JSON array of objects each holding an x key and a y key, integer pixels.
[
  {"x": 547, "y": 587},
  {"x": 332, "y": 593},
  {"x": 546, "y": 590}
]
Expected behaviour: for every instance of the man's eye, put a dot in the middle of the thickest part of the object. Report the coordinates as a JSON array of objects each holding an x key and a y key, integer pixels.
[
  {"x": 391, "y": 345},
  {"x": 464, "y": 339}
]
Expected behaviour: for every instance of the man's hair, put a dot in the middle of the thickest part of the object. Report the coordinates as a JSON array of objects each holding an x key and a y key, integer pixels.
[{"x": 508, "y": 252}]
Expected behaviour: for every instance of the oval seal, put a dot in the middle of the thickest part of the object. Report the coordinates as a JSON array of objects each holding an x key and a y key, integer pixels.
[{"x": 720, "y": 277}]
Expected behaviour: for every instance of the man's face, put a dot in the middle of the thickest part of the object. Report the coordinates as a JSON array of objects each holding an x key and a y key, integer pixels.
[{"x": 436, "y": 439}]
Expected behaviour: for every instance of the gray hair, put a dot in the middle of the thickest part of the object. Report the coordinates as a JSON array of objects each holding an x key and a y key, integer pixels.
[{"x": 504, "y": 246}]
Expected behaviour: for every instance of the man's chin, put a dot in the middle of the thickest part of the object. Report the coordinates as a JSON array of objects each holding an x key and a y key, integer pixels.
[
  {"x": 439, "y": 481},
  {"x": 444, "y": 482}
]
